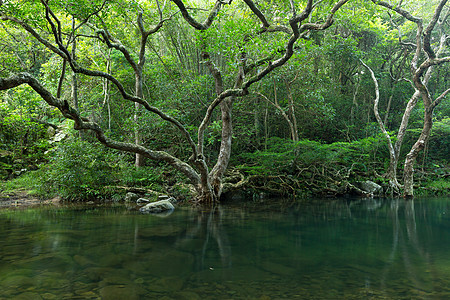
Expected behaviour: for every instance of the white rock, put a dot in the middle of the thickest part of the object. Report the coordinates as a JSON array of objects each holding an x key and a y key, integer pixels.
[{"x": 157, "y": 207}]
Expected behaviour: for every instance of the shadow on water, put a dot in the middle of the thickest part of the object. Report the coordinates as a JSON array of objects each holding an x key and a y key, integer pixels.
[{"x": 346, "y": 249}]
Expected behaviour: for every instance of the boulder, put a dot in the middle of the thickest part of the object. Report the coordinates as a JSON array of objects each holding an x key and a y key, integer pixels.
[
  {"x": 157, "y": 207},
  {"x": 131, "y": 197},
  {"x": 370, "y": 187},
  {"x": 168, "y": 198},
  {"x": 142, "y": 201}
]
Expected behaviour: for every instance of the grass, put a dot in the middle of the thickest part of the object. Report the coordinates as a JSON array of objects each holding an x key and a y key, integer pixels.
[
  {"x": 438, "y": 187},
  {"x": 29, "y": 182}
]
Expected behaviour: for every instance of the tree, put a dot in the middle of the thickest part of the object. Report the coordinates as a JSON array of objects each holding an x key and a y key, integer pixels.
[
  {"x": 251, "y": 59},
  {"x": 427, "y": 55}
]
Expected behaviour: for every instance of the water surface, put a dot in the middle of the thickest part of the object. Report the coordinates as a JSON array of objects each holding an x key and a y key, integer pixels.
[{"x": 341, "y": 249}]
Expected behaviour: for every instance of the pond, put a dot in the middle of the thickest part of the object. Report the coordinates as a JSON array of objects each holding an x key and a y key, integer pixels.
[{"x": 321, "y": 249}]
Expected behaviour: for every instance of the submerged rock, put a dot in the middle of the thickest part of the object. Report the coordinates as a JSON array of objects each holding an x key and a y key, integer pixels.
[
  {"x": 157, "y": 207},
  {"x": 28, "y": 296},
  {"x": 112, "y": 292},
  {"x": 166, "y": 284}
]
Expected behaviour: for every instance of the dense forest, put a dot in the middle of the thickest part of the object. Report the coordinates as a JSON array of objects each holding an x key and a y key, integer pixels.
[{"x": 201, "y": 99}]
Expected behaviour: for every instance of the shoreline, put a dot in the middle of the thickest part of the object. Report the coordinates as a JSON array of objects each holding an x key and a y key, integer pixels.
[{"x": 22, "y": 199}]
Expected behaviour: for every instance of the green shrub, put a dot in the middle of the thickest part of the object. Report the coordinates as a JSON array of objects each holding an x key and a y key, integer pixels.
[
  {"x": 282, "y": 155},
  {"x": 146, "y": 177},
  {"x": 79, "y": 170}
]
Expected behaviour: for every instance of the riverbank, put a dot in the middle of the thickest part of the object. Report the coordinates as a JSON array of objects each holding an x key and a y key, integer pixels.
[
  {"x": 27, "y": 190},
  {"x": 22, "y": 199}
]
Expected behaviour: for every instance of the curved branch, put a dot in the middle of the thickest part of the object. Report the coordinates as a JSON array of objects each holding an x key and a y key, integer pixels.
[
  {"x": 328, "y": 22},
  {"x": 141, "y": 101},
  {"x": 84, "y": 123},
  {"x": 56, "y": 30},
  {"x": 375, "y": 108},
  {"x": 36, "y": 35},
  {"x": 257, "y": 12},
  {"x": 197, "y": 25},
  {"x": 265, "y": 24},
  {"x": 280, "y": 109},
  {"x": 77, "y": 69},
  {"x": 113, "y": 43},
  {"x": 418, "y": 21},
  {"x": 429, "y": 29},
  {"x": 399, "y": 10},
  {"x": 295, "y": 36},
  {"x": 212, "y": 106},
  {"x": 428, "y": 63},
  {"x": 439, "y": 99}
]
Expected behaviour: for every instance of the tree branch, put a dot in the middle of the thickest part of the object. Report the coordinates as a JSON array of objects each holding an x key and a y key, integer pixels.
[
  {"x": 429, "y": 29},
  {"x": 84, "y": 123},
  {"x": 199, "y": 26},
  {"x": 439, "y": 99}
]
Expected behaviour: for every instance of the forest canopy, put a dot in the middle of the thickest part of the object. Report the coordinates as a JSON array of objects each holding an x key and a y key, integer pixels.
[{"x": 284, "y": 97}]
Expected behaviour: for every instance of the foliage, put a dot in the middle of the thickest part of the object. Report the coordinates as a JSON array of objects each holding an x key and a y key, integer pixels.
[
  {"x": 80, "y": 170},
  {"x": 23, "y": 141},
  {"x": 439, "y": 147},
  {"x": 313, "y": 166},
  {"x": 31, "y": 182},
  {"x": 331, "y": 96}
]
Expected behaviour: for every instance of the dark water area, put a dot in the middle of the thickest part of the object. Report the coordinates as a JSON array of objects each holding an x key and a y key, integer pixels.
[{"x": 340, "y": 249}]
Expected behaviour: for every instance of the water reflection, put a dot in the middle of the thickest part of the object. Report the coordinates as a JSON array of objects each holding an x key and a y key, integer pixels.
[
  {"x": 371, "y": 248},
  {"x": 207, "y": 225},
  {"x": 406, "y": 246}
]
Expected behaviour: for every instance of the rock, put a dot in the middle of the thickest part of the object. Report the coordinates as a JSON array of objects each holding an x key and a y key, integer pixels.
[
  {"x": 82, "y": 261},
  {"x": 162, "y": 263},
  {"x": 112, "y": 259},
  {"x": 20, "y": 172},
  {"x": 187, "y": 295},
  {"x": 28, "y": 296},
  {"x": 49, "y": 296},
  {"x": 112, "y": 292},
  {"x": 168, "y": 198},
  {"x": 97, "y": 273},
  {"x": 277, "y": 268},
  {"x": 131, "y": 197},
  {"x": 51, "y": 132},
  {"x": 370, "y": 187},
  {"x": 58, "y": 137},
  {"x": 17, "y": 281},
  {"x": 158, "y": 207},
  {"x": 142, "y": 201},
  {"x": 166, "y": 284},
  {"x": 112, "y": 279}
]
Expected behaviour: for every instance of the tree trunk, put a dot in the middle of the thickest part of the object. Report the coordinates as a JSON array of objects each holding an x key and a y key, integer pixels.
[
  {"x": 408, "y": 176},
  {"x": 392, "y": 172},
  {"x": 225, "y": 147},
  {"x": 292, "y": 117}
]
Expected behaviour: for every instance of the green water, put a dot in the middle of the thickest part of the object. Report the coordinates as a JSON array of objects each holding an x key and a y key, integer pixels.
[{"x": 367, "y": 249}]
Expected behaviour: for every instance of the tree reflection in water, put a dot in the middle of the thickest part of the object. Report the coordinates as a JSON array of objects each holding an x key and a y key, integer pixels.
[
  {"x": 207, "y": 226},
  {"x": 403, "y": 245}
]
